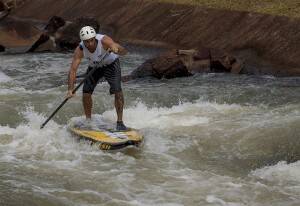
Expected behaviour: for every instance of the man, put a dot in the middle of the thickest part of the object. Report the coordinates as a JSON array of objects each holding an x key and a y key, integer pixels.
[{"x": 102, "y": 52}]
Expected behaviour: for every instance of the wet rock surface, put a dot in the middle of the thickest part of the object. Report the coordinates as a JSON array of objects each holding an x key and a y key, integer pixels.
[
  {"x": 274, "y": 38},
  {"x": 67, "y": 38},
  {"x": 2, "y": 48},
  {"x": 56, "y": 35},
  {"x": 15, "y": 33},
  {"x": 182, "y": 63}
]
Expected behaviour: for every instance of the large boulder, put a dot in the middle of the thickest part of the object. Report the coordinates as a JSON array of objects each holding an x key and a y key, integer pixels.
[
  {"x": 3, "y": 6},
  {"x": 224, "y": 62},
  {"x": 17, "y": 34},
  {"x": 167, "y": 65},
  {"x": 6, "y": 6},
  {"x": 182, "y": 63},
  {"x": 61, "y": 35},
  {"x": 4, "y": 10},
  {"x": 2, "y": 48},
  {"x": 67, "y": 37},
  {"x": 54, "y": 24},
  {"x": 3, "y": 14},
  {"x": 46, "y": 42}
]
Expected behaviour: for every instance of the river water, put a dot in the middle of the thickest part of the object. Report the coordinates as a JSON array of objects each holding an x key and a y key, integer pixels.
[{"x": 210, "y": 139}]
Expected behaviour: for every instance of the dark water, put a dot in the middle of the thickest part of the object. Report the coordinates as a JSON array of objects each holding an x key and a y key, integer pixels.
[{"x": 211, "y": 139}]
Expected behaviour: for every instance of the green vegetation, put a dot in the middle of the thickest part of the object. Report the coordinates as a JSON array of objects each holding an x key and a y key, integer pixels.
[{"x": 289, "y": 8}]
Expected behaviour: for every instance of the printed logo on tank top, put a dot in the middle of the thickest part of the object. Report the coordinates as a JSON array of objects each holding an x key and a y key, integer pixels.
[{"x": 98, "y": 62}]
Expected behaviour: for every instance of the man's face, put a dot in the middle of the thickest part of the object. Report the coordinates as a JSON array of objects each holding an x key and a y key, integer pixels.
[{"x": 90, "y": 43}]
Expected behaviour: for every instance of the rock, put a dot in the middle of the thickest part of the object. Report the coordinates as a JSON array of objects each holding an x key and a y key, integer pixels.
[
  {"x": 54, "y": 24},
  {"x": 224, "y": 62},
  {"x": 167, "y": 65},
  {"x": 145, "y": 70},
  {"x": 196, "y": 61},
  {"x": 4, "y": 10},
  {"x": 178, "y": 69},
  {"x": 3, "y": 14},
  {"x": 67, "y": 37},
  {"x": 43, "y": 38},
  {"x": 276, "y": 38},
  {"x": 183, "y": 63},
  {"x": 236, "y": 67},
  {"x": 59, "y": 35},
  {"x": 17, "y": 34},
  {"x": 46, "y": 42},
  {"x": 2, "y": 48},
  {"x": 3, "y": 6},
  {"x": 13, "y": 4},
  {"x": 200, "y": 66},
  {"x": 48, "y": 45}
]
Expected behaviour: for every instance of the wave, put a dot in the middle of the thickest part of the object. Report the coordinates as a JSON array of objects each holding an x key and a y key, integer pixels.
[
  {"x": 281, "y": 173},
  {"x": 4, "y": 78},
  {"x": 21, "y": 90},
  {"x": 283, "y": 177},
  {"x": 28, "y": 141},
  {"x": 182, "y": 115}
]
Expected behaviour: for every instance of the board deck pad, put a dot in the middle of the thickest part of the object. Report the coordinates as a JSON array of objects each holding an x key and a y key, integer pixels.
[{"x": 106, "y": 136}]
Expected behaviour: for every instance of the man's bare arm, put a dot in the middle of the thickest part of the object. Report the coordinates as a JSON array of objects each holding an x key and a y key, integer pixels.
[{"x": 109, "y": 44}]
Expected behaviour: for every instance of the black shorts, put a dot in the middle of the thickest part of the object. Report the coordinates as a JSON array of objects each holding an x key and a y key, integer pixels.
[{"x": 112, "y": 74}]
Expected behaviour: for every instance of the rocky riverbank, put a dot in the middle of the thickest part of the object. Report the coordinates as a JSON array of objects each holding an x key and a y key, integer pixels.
[{"x": 266, "y": 44}]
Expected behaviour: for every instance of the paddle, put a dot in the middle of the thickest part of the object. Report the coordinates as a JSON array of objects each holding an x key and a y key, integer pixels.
[{"x": 73, "y": 92}]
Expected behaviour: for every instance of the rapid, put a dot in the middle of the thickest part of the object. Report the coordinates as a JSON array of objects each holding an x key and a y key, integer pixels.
[{"x": 210, "y": 139}]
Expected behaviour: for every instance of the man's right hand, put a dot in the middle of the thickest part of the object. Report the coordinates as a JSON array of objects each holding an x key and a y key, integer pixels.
[{"x": 70, "y": 94}]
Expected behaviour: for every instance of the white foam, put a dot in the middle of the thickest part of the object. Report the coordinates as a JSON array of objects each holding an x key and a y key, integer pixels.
[
  {"x": 281, "y": 173},
  {"x": 4, "y": 78},
  {"x": 22, "y": 90},
  {"x": 165, "y": 124},
  {"x": 213, "y": 199},
  {"x": 6, "y": 130},
  {"x": 182, "y": 115},
  {"x": 49, "y": 144}
]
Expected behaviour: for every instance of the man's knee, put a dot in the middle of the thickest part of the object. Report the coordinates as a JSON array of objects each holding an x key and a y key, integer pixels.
[
  {"x": 115, "y": 90},
  {"x": 118, "y": 94},
  {"x": 86, "y": 96}
]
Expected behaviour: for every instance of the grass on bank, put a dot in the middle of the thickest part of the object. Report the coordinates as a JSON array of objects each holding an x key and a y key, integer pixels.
[{"x": 290, "y": 8}]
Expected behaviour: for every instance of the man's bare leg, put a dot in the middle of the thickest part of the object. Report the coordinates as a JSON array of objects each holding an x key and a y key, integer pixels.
[
  {"x": 87, "y": 105},
  {"x": 119, "y": 103}
]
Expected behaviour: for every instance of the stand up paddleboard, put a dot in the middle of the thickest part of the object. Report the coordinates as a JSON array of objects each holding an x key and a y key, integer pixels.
[{"x": 108, "y": 139}]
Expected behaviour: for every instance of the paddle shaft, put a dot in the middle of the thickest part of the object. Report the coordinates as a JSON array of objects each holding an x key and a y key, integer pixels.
[{"x": 73, "y": 91}]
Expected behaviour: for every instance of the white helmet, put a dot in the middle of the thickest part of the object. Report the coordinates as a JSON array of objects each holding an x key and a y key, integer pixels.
[{"x": 87, "y": 32}]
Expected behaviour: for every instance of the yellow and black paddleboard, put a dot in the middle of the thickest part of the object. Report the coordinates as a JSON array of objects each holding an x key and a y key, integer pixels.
[{"x": 109, "y": 139}]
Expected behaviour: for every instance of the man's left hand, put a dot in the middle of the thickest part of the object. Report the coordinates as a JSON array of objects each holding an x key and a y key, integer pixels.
[{"x": 114, "y": 49}]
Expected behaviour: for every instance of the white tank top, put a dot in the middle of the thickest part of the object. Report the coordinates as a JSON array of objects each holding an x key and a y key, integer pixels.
[{"x": 95, "y": 58}]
